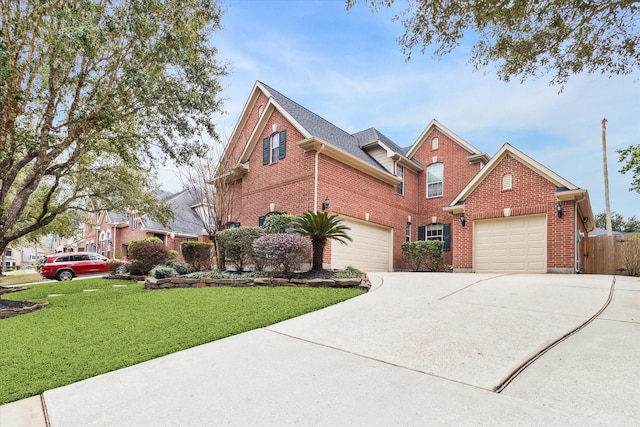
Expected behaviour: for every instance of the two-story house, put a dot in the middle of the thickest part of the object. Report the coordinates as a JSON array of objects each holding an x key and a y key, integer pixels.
[{"x": 505, "y": 213}]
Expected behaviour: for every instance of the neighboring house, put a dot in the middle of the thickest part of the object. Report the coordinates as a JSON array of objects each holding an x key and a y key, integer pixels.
[
  {"x": 32, "y": 255},
  {"x": 109, "y": 233},
  {"x": 11, "y": 259},
  {"x": 499, "y": 214}
]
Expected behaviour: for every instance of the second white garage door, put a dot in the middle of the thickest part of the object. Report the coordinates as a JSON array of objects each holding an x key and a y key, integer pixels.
[
  {"x": 510, "y": 245},
  {"x": 370, "y": 250}
]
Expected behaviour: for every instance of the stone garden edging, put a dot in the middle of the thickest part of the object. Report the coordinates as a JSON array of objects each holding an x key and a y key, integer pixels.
[{"x": 182, "y": 282}]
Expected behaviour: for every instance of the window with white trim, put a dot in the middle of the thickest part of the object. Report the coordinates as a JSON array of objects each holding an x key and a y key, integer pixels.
[
  {"x": 435, "y": 143},
  {"x": 400, "y": 174},
  {"x": 133, "y": 220},
  {"x": 407, "y": 233},
  {"x": 274, "y": 147},
  {"x": 435, "y": 178}
]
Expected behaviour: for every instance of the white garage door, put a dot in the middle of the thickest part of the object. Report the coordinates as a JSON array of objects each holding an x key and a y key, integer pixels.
[
  {"x": 370, "y": 250},
  {"x": 510, "y": 245}
]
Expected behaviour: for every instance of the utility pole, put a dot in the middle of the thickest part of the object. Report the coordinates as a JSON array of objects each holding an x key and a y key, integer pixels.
[{"x": 607, "y": 211}]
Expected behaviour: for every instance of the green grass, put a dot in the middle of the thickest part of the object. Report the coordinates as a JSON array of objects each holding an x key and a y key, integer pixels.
[
  {"x": 19, "y": 277},
  {"x": 83, "y": 334}
]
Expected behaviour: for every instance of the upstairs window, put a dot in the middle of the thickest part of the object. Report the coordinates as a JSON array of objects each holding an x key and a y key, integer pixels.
[
  {"x": 435, "y": 144},
  {"x": 400, "y": 186},
  {"x": 133, "y": 220},
  {"x": 435, "y": 176},
  {"x": 274, "y": 147}
]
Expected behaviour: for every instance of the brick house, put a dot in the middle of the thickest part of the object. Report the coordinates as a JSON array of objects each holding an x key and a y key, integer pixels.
[
  {"x": 109, "y": 233},
  {"x": 282, "y": 157}
]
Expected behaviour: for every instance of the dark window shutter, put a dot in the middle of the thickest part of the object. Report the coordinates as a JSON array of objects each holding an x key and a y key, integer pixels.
[
  {"x": 265, "y": 151},
  {"x": 261, "y": 221},
  {"x": 421, "y": 232},
  {"x": 446, "y": 236},
  {"x": 283, "y": 144}
]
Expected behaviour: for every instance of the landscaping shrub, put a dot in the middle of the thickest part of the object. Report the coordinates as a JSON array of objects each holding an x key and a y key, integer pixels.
[
  {"x": 179, "y": 266},
  {"x": 198, "y": 254},
  {"x": 235, "y": 244},
  {"x": 421, "y": 252},
  {"x": 117, "y": 267},
  {"x": 162, "y": 272},
  {"x": 277, "y": 223},
  {"x": 134, "y": 242},
  {"x": 282, "y": 251},
  {"x": 631, "y": 255},
  {"x": 348, "y": 273},
  {"x": 146, "y": 255}
]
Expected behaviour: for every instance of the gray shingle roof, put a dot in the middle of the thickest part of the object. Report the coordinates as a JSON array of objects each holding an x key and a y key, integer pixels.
[
  {"x": 327, "y": 131},
  {"x": 186, "y": 220}
]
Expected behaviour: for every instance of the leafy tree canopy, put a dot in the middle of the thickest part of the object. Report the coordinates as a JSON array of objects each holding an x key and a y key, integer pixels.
[
  {"x": 630, "y": 158},
  {"x": 526, "y": 38},
  {"x": 93, "y": 94},
  {"x": 618, "y": 222}
]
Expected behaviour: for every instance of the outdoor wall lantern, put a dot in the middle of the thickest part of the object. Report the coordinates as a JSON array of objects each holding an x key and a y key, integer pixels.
[
  {"x": 272, "y": 207},
  {"x": 172, "y": 235},
  {"x": 325, "y": 204},
  {"x": 463, "y": 220},
  {"x": 559, "y": 210}
]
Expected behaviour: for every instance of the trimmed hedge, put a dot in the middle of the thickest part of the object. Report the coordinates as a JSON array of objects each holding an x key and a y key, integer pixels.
[
  {"x": 282, "y": 251},
  {"x": 198, "y": 254}
]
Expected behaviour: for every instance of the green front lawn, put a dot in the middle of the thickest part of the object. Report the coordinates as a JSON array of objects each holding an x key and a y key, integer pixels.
[{"x": 83, "y": 334}]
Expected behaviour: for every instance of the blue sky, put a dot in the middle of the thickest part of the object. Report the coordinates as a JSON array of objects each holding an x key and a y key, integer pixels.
[{"x": 348, "y": 68}]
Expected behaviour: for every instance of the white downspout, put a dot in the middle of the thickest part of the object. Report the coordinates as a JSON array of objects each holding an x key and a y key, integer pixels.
[
  {"x": 576, "y": 237},
  {"x": 315, "y": 180}
]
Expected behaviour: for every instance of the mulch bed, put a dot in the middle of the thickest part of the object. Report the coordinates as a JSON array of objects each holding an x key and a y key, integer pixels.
[{"x": 10, "y": 308}]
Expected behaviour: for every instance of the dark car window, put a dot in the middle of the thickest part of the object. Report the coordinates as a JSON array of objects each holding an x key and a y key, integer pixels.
[
  {"x": 80, "y": 257},
  {"x": 64, "y": 258},
  {"x": 95, "y": 257}
]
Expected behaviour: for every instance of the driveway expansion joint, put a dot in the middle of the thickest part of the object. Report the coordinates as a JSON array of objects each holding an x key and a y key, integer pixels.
[{"x": 539, "y": 354}]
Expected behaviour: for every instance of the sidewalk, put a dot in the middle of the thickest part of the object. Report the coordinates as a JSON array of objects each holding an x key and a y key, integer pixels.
[{"x": 418, "y": 349}]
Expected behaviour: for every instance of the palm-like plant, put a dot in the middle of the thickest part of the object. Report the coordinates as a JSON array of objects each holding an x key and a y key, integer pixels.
[{"x": 320, "y": 227}]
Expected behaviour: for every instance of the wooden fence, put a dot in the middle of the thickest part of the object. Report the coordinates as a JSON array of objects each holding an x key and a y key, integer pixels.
[{"x": 604, "y": 254}]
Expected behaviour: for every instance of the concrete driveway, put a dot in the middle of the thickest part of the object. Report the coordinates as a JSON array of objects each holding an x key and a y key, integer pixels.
[{"x": 419, "y": 349}]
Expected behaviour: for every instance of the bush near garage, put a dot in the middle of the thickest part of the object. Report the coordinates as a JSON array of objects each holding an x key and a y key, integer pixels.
[
  {"x": 197, "y": 254},
  {"x": 427, "y": 253},
  {"x": 283, "y": 252},
  {"x": 236, "y": 245}
]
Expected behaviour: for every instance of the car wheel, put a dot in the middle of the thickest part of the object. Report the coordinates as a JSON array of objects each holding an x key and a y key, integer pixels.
[
  {"x": 121, "y": 269},
  {"x": 64, "y": 275}
]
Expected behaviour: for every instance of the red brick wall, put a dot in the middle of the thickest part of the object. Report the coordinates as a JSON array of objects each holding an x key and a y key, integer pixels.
[
  {"x": 457, "y": 174},
  {"x": 531, "y": 193},
  {"x": 354, "y": 193}
]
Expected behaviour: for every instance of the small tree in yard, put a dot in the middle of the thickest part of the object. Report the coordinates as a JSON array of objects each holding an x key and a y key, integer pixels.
[
  {"x": 282, "y": 251},
  {"x": 421, "y": 252},
  {"x": 197, "y": 254},
  {"x": 320, "y": 227}
]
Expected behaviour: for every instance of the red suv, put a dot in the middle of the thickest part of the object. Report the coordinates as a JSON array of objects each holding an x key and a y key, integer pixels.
[{"x": 66, "y": 266}]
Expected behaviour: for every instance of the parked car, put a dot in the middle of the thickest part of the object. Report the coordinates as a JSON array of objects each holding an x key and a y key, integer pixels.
[{"x": 66, "y": 266}]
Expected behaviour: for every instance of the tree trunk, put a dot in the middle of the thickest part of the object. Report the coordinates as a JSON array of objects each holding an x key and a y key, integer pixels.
[{"x": 318, "y": 253}]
